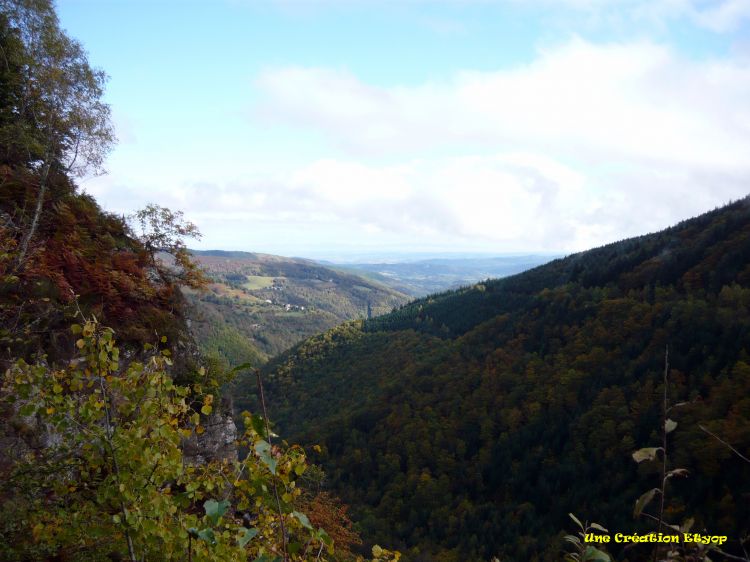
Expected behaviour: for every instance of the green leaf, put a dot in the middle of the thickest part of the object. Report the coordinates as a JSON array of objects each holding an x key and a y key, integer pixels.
[
  {"x": 247, "y": 536},
  {"x": 258, "y": 425},
  {"x": 263, "y": 448},
  {"x": 302, "y": 518},
  {"x": 207, "y": 535},
  {"x": 594, "y": 554},
  {"x": 670, "y": 425},
  {"x": 677, "y": 472},
  {"x": 27, "y": 409},
  {"x": 574, "y": 518},
  {"x": 643, "y": 501},
  {"x": 647, "y": 454},
  {"x": 327, "y": 540},
  {"x": 598, "y": 527},
  {"x": 214, "y": 509},
  {"x": 242, "y": 367}
]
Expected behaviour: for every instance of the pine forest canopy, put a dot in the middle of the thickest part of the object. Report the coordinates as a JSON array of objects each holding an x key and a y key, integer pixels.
[{"x": 468, "y": 424}]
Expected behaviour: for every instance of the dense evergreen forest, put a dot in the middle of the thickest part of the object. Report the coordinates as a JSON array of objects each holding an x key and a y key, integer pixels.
[{"x": 468, "y": 424}]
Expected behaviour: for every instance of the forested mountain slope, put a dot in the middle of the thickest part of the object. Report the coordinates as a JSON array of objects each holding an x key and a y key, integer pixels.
[
  {"x": 468, "y": 424},
  {"x": 259, "y": 305},
  {"x": 81, "y": 258},
  {"x": 114, "y": 442}
]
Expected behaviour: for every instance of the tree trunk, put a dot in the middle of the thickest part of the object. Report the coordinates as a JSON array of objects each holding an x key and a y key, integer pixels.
[{"x": 35, "y": 220}]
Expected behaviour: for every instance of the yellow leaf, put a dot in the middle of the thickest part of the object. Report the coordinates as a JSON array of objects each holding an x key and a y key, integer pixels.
[{"x": 37, "y": 530}]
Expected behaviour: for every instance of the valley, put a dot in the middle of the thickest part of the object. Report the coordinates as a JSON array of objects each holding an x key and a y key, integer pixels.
[
  {"x": 258, "y": 305},
  {"x": 526, "y": 330},
  {"x": 468, "y": 424}
]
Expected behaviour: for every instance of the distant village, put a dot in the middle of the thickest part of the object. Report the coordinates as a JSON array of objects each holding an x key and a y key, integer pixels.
[{"x": 287, "y": 306}]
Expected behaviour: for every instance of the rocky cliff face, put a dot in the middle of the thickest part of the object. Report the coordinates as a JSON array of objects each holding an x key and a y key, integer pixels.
[{"x": 217, "y": 442}]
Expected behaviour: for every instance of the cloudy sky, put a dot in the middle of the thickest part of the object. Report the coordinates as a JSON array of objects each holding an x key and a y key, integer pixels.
[{"x": 326, "y": 127}]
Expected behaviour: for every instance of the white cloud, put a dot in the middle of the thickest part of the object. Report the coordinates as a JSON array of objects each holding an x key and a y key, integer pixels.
[
  {"x": 726, "y": 16},
  {"x": 720, "y": 16},
  {"x": 637, "y": 100},
  {"x": 504, "y": 202},
  {"x": 586, "y": 144},
  {"x": 614, "y": 140}
]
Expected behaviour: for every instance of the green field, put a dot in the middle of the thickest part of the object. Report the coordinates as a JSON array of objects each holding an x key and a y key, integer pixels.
[{"x": 255, "y": 282}]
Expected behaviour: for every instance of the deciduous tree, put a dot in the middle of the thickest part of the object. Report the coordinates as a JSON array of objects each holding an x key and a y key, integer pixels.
[{"x": 57, "y": 121}]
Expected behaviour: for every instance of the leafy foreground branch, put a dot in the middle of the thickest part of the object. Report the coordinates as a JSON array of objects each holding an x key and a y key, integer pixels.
[
  {"x": 100, "y": 472},
  {"x": 677, "y": 545}
]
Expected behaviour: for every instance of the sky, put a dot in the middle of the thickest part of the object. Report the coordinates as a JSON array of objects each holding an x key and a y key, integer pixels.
[{"x": 325, "y": 128}]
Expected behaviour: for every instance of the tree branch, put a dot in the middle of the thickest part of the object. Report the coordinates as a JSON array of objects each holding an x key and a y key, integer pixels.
[{"x": 720, "y": 440}]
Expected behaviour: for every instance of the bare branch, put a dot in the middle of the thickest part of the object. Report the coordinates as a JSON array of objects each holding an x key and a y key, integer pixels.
[{"x": 720, "y": 440}]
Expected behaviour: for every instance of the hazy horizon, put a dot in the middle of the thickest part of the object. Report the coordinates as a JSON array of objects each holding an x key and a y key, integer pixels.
[{"x": 395, "y": 256}]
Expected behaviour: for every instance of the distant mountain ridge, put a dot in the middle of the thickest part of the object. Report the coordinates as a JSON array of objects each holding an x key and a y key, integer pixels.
[
  {"x": 261, "y": 304},
  {"x": 425, "y": 276},
  {"x": 468, "y": 424},
  {"x": 249, "y": 255}
]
